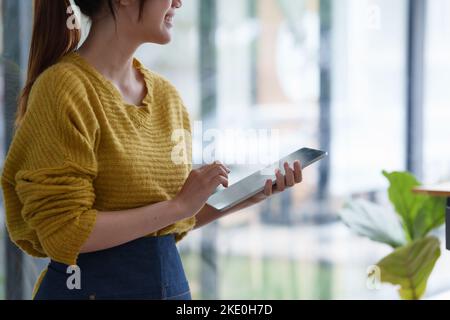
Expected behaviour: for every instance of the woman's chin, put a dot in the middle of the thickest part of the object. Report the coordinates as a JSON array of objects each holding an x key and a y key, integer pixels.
[
  {"x": 164, "y": 37},
  {"x": 165, "y": 41},
  {"x": 161, "y": 36}
]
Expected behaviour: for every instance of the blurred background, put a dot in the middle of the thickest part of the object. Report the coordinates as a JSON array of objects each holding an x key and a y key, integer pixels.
[{"x": 365, "y": 80}]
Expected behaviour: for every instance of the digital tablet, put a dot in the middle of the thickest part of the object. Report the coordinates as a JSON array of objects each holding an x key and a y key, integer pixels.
[{"x": 254, "y": 183}]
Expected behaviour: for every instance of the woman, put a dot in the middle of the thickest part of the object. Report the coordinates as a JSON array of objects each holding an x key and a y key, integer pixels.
[{"x": 89, "y": 179}]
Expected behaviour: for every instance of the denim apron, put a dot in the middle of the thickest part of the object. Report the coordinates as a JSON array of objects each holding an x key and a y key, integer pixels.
[{"x": 146, "y": 268}]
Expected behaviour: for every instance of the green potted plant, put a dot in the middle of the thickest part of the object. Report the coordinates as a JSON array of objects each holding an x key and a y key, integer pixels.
[{"x": 406, "y": 229}]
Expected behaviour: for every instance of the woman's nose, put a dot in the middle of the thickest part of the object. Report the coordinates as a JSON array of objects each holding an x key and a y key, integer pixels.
[{"x": 177, "y": 3}]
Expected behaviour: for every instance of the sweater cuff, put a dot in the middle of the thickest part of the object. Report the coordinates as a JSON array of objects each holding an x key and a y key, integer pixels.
[{"x": 64, "y": 245}]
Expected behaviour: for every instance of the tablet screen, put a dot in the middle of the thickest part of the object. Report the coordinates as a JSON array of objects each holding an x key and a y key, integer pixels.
[{"x": 254, "y": 183}]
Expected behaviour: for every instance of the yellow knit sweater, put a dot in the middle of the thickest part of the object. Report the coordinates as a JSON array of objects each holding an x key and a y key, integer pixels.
[{"x": 82, "y": 149}]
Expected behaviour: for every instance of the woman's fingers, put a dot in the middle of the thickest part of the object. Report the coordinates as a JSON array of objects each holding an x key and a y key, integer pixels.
[
  {"x": 214, "y": 171},
  {"x": 289, "y": 175},
  {"x": 280, "y": 180},
  {"x": 298, "y": 177},
  {"x": 210, "y": 171},
  {"x": 218, "y": 173},
  {"x": 217, "y": 176},
  {"x": 268, "y": 188},
  {"x": 210, "y": 166},
  {"x": 214, "y": 174},
  {"x": 220, "y": 180}
]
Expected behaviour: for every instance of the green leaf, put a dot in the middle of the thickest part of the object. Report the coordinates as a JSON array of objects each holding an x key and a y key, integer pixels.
[
  {"x": 420, "y": 213},
  {"x": 430, "y": 216},
  {"x": 410, "y": 267},
  {"x": 407, "y": 204},
  {"x": 374, "y": 222}
]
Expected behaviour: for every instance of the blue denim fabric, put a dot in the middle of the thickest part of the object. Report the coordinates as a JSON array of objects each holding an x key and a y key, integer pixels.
[{"x": 146, "y": 268}]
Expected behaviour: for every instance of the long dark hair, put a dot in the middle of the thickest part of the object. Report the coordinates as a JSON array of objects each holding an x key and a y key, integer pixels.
[{"x": 52, "y": 39}]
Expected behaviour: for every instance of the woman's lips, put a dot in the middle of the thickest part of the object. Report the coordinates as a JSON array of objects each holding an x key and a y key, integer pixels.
[{"x": 168, "y": 19}]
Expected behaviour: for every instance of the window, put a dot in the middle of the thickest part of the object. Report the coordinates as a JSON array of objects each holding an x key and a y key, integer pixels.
[
  {"x": 267, "y": 74},
  {"x": 437, "y": 76}
]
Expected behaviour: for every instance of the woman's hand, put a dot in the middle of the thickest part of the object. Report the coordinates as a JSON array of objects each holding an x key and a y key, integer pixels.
[
  {"x": 199, "y": 186},
  {"x": 292, "y": 177}
]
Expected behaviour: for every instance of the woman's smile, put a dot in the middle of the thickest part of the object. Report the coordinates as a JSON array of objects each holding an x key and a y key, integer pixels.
[{"x": 168, "y": 19}]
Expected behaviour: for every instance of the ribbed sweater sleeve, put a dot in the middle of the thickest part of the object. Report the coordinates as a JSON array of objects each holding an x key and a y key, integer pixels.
[{"x": 48, "y": 177}]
